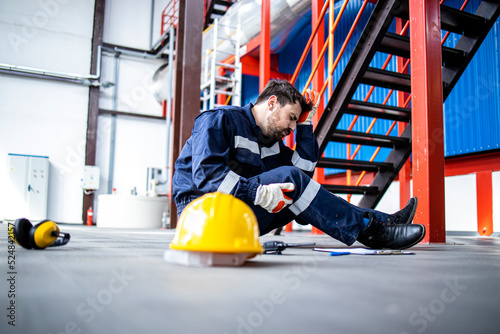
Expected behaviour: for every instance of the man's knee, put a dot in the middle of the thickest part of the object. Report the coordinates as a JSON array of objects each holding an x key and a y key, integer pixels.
[
  {"x": 284, "y": 174},
  {"x": 294, "y": 172}
]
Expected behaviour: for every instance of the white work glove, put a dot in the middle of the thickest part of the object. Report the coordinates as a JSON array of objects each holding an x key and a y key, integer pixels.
[
  {"x": 307, "y": 116},
  {"x": 272, "y": 196}
]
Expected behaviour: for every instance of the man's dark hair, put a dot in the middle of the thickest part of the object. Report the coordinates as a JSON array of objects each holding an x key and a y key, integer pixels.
[{"x": 285, "y": 94}]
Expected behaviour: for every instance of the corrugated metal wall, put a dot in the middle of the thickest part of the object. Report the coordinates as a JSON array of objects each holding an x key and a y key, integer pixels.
[{"x": 471, "y": 112}]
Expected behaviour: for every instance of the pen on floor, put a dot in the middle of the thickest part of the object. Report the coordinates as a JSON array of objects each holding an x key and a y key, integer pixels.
[{"x": 339, "y": 253}]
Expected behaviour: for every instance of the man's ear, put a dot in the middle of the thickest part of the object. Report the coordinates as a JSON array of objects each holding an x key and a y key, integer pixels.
[{"x": 271, "y": 102}]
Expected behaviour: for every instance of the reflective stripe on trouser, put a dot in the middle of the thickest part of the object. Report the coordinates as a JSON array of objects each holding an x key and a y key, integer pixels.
[{"x": 313, "y": 205}]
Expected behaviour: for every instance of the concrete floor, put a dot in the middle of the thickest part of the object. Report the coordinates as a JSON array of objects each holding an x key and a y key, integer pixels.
[{"x": 116, "y": 281}]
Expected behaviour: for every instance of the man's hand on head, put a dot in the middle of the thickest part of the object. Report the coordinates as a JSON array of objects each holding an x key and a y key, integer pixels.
[{"x": 313, "y": 97}]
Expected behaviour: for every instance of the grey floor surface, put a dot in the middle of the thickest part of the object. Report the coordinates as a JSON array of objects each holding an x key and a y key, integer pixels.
[{"x": 116, "y": 281}]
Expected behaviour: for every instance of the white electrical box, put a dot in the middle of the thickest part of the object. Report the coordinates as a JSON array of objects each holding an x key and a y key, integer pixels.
[
  {"x": 27, "y": 189},
  {"x": 90, "y": 180}
]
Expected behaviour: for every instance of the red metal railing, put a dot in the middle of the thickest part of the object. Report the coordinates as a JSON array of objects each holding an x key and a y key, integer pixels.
[{"x": 170, "y": 16}]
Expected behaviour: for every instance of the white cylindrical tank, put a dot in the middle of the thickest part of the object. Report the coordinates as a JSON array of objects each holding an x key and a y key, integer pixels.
[{"x": 127, "y": 211}]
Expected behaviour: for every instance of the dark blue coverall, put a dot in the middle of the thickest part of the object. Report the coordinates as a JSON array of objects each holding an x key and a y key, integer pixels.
[{"x": 228, "y": 153}]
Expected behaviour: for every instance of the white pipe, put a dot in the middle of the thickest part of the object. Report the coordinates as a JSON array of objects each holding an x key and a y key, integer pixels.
[{"x": 86, "y": 79}]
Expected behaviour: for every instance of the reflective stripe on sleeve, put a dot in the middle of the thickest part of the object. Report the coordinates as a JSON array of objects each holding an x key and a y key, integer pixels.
[
  {"x": 228, "y": 183},
  {"x": 269, "y": 151},
  {"x": 303, "y": 164},
  {"x": 242, "y": 142},
  {"x": 306, "y": 198}
]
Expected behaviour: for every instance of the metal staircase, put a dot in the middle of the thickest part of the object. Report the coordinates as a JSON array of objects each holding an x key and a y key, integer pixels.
[
  {"x": 215, "y": 9},
  {"x": 473, "y": 29},
  {"x": 221, "y": 67}
]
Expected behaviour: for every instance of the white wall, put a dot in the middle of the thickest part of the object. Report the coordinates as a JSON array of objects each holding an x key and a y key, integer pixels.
[
  {"x": 44, "y": 117},
  {"x": 139, "y": 143},
  {"x": 460, "y": 202}
]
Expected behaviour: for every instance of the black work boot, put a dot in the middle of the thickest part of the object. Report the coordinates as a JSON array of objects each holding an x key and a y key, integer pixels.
[
  {"x": 380, "y": 235},
  {"x": 405, "y": 215}
]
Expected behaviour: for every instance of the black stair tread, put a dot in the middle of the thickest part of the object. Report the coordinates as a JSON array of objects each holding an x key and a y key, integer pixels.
[
  {"x": 357, "y": 165},
  {"x": 460, "y": 22},
  {"x": 217, "y": 11},
  {"x": 224, "y": 3},
  {"x": 363, "y": 138},
  {"x": 387, "y": 79},
  {"x": 452, "y": 19},
  {"x": 369, "y": 109},
  {"x": 356, "y": 190},
  {"x": 470, "y": 44},
  {"x": 399, "y": 45},
  {"x": 395, "y": 44}
]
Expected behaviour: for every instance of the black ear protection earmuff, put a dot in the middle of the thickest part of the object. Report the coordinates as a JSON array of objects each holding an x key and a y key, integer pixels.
[{"x": 42, "y": 235}]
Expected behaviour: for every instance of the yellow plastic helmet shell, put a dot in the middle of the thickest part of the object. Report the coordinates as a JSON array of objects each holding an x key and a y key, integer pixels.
[{"x": 218, "y": 223}]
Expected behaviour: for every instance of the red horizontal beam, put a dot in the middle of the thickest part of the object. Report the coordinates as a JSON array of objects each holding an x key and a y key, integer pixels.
[
  {"x": 454, "y": 166},
  {"x": 250, "y": 66},
  {"x": 251, "y": 46},
  {"x": 472, "y": 164}
]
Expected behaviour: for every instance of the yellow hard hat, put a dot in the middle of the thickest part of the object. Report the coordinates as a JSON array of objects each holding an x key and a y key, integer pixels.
[{"x": 217, "y": 223}]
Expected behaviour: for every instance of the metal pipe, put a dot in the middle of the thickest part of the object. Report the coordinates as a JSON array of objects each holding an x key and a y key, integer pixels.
[
  {"x": 112, "y": 136},
  {"x": 168, "y": 116},
  {"x": 152, "y": 21},
  {"x": 131, "y": 53},
  {"x": 84, "y": 79}
]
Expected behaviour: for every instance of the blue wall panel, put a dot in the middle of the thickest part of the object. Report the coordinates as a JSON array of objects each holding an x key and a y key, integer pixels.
[
  {"x": 250, "y": 89},
  {"x": 472, "y": 110}
]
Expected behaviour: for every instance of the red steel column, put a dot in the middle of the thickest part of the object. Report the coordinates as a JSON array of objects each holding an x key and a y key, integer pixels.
[
  {"x": 319, "y": 78},
  {"x": 265, "y": 44},
  {"x": 484, "y": 193},
  {"x": 405, "y": 173},
  {"x": 427, "y": 117}
]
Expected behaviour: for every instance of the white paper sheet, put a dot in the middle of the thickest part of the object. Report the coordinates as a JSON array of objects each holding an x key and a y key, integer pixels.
[{"x": 362, "y": 251}]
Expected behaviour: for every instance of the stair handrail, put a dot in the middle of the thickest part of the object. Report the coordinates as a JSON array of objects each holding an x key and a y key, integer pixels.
[
  {"x": 327, "y": 43},
  {"x": 302, "y": 59},
  {"x": 344, "y": 45}
]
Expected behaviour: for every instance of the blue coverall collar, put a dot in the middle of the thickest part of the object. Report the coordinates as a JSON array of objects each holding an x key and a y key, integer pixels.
[
  {"x": 256, "y": 129},
  {"x": 248, "y": 111}
]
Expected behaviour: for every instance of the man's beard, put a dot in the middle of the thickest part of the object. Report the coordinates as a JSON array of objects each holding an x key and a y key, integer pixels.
[{"x": 273, "y": 132}]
